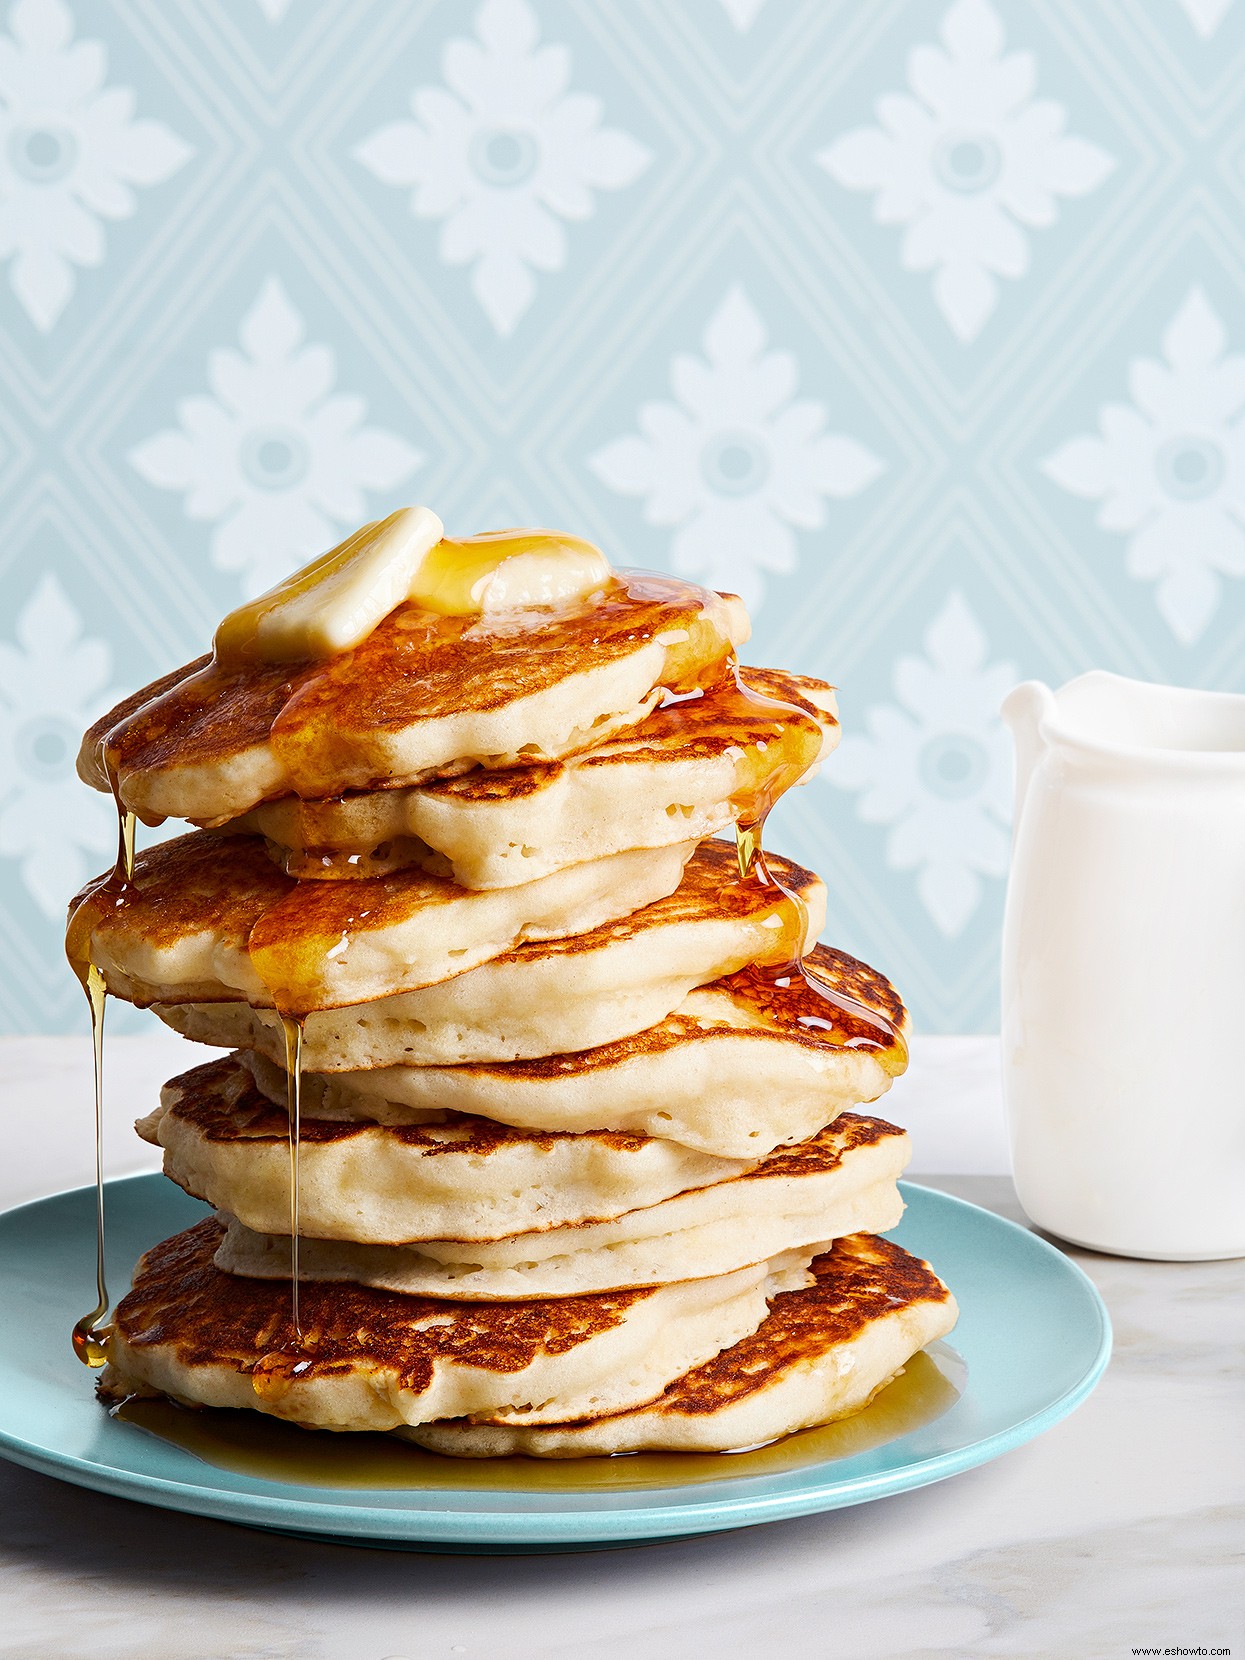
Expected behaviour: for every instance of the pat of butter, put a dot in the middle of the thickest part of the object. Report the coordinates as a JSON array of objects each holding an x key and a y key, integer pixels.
[{"x": 334, "y": 603}]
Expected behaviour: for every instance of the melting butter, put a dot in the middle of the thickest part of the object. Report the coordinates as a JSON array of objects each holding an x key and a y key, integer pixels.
[
  {"x": 334, "y": 603},
  {"x": 505, "y": 570}
]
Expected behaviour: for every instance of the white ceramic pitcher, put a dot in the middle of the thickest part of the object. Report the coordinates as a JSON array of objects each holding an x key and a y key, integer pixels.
[{"x": 1124, "y": 966}]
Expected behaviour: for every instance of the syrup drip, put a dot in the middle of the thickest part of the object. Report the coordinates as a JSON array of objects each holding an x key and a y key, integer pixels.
[
  {"x": 811, "y": 1002},
  {"x": 274, "y": 1372},
  {"x": 789, "y": 986},
  {"x": 293, "y": 1030},
  {"x": 90, "y": 1334}
]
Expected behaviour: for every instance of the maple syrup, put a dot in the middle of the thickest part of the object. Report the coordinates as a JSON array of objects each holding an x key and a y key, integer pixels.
[
  {"x": 791, "y": 990},
  {"x": 274, "y": 1372},
  {"x": 325, "y": 726},
  {"x": 270, "y": 1449},
  {"x": 90, "y": 1333},
  {"x": 299, "y": 685},
  {"x": 331, "y": 605},
  {"x": 292, "y": 1028},
  {"x": 316, "y": 693}
]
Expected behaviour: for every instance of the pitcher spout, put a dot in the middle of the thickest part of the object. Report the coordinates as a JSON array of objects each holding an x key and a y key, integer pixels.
[{"x": 1025, "y": 709}]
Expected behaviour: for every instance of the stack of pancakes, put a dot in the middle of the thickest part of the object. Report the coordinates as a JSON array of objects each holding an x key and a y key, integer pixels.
[{"x": 529, "y": 1141}]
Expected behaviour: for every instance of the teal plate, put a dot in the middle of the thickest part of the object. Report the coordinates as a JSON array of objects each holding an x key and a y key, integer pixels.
[{"x": 1033, "y": 1335}]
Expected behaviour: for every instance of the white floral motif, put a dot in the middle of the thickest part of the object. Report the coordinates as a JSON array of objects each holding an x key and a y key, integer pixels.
[
  {"x": 70, "y": 150},
  {"x": 1169, "y": 469},
  {"x": 51, "y": 687},
  {"x": 738, "y": 461},
  {"x": 275, "y": 458},
  {"x": 936, "y": 766},
  {"x": 503, "y": 153},
  {"x": 966, "y": 162}
]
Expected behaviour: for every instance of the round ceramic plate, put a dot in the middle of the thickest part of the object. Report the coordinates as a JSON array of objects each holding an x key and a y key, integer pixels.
[{"x": 1032, "y": 1340}]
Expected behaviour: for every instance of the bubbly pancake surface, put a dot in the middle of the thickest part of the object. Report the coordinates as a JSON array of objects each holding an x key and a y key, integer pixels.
[
  {"x": 423, "y": 695},
  {"x": 822, "y": 1353}
]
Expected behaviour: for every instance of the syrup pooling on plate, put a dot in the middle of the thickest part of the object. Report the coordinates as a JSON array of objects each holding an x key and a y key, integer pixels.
[
  {"x": 270, "y": 1450},
  {"x": 90, "y": 1333}
]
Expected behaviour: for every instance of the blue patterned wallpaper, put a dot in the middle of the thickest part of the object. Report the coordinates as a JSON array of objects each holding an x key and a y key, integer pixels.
[{"x": 918, "y": 324}]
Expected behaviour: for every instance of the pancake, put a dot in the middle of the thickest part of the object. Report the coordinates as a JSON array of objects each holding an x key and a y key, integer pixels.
[
  {"x": 423, "y": 696},
  {"x": 734, "y": 1072},
  {"x": 823, "y": 1353},
  {"x": 210, "y": 916},
  {"x": 838, "y": 1182},
  {"x": 683, "y": 772},
  {"x": 547, "y": 998},
  {"x": 372, "y": 1360},
  {"x": 226, "y": 1141}
]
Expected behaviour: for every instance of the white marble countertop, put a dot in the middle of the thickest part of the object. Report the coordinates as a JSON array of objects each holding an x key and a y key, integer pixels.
[{"x": 1118, "y": 1529}]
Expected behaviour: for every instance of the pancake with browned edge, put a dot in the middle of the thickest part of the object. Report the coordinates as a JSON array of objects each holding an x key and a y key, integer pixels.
[
  {"x": 210, "y": 916},
  {"x": 549, "y": 997},
  {"x": 423, "y": 696},
  {"x": 689, "y": 769},
  {"x": 227, "y": 1142},
  {"x": 741, "y": 1067},
  {"x": 372, "y": 1360},
  {"x": 823, "y": 1353},
  {"x": 842, "y": 1180}
]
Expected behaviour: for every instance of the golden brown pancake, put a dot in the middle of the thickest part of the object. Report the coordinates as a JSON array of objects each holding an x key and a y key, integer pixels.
[
  {"x": 423, "y": 696},
  {"x": 210, "y": 916},
  {"x": 686, "y": 771},
  {"x": 226, "y": 1141},
  {"x": 823, "y": 1353},
  {"x": 550, "y": 997},
  {"x": 368, "y": 1359},
  {"x": 840, "y": 1181},
  {"x": 739, "y": 1068}
]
